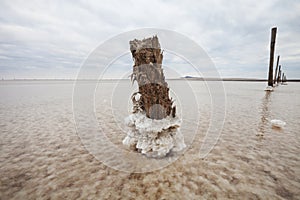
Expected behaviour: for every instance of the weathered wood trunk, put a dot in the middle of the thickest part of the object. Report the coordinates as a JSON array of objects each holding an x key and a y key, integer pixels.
[
  {"x": 272, "y": 48},
  {"x": 147, "y": 133},
  {"x": 275, "y": 75},
  {"x": 148, "y": 73}
]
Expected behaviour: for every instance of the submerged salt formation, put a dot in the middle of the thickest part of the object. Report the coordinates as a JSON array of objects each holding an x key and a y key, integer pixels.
[
  {"x": 153, "y": 126},
  {"x": 278, "y": 123},
  {"x": 155, "y": 138},
  {"x": 269, "y": 88}
]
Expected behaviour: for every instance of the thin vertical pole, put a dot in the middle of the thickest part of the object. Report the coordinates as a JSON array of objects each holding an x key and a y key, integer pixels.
[
  {"x": 279, "y": 70},
  {"x": 285, "y": 78},
  {"x": 272, "y": 48},
  {"x": 275, "y": 75},
  {"x": 279, "y": 76}
]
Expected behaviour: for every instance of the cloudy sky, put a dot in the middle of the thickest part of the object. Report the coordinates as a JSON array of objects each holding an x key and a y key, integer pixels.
[{"x": 51, "y": 39}]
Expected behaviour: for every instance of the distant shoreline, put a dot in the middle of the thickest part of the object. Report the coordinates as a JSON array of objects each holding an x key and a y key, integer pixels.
[{"x": 235, "y": 79}]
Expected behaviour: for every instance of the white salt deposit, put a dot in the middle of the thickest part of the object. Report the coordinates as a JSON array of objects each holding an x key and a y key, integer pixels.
[
  {"x": 154, "y": 138},
  {"x": 137, "y": 96},
  {"x": 269, "y": 88},
  {"x": 278, "y": 123}
]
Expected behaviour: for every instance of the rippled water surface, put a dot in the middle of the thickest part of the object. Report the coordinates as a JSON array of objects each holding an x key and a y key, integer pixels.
[{"x": 42, "y": 156}]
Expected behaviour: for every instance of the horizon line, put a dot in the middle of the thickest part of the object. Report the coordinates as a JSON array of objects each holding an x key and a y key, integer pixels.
[{"x": 180, "y": 78}]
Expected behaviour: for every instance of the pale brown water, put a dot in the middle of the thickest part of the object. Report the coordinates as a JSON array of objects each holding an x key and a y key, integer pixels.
[{"x": 42, "y": 157}]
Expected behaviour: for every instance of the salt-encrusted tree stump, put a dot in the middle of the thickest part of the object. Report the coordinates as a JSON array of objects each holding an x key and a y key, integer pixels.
[{"x": 153, "y": 125}]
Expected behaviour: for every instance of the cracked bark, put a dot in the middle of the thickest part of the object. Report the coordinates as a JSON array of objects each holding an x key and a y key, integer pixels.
[{"x": 147, "y": 71}]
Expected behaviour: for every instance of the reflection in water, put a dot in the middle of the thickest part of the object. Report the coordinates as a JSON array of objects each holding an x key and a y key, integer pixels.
[{"x": 265, "y": 113}]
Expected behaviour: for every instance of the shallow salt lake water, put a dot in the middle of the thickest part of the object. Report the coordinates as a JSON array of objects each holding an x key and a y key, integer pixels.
[{"x": 42, "y": 156}]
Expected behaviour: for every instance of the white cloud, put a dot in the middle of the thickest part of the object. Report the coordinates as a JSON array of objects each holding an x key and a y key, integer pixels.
[{"x": 54, "y": 37}]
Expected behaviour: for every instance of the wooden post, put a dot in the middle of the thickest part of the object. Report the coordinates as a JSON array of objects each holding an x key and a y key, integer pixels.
[
  {"x": 275, "y": 75},
  {"x": 148, "y": 73},
  {"x": 278, "y": 74},
  {"x": 280, "y": 77},
  {"x": 285, "y": 78},
  {"x": 272, "y": 48}
]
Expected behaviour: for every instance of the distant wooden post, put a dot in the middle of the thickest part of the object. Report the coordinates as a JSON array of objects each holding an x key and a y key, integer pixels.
[
  {"x": 278, "y": 74},
  {"x": 280, "y": 77},
  {"x": 275, "y": 75},
  {"x": 272, "y": 48},
  {"x": 285, "y": 78}
]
